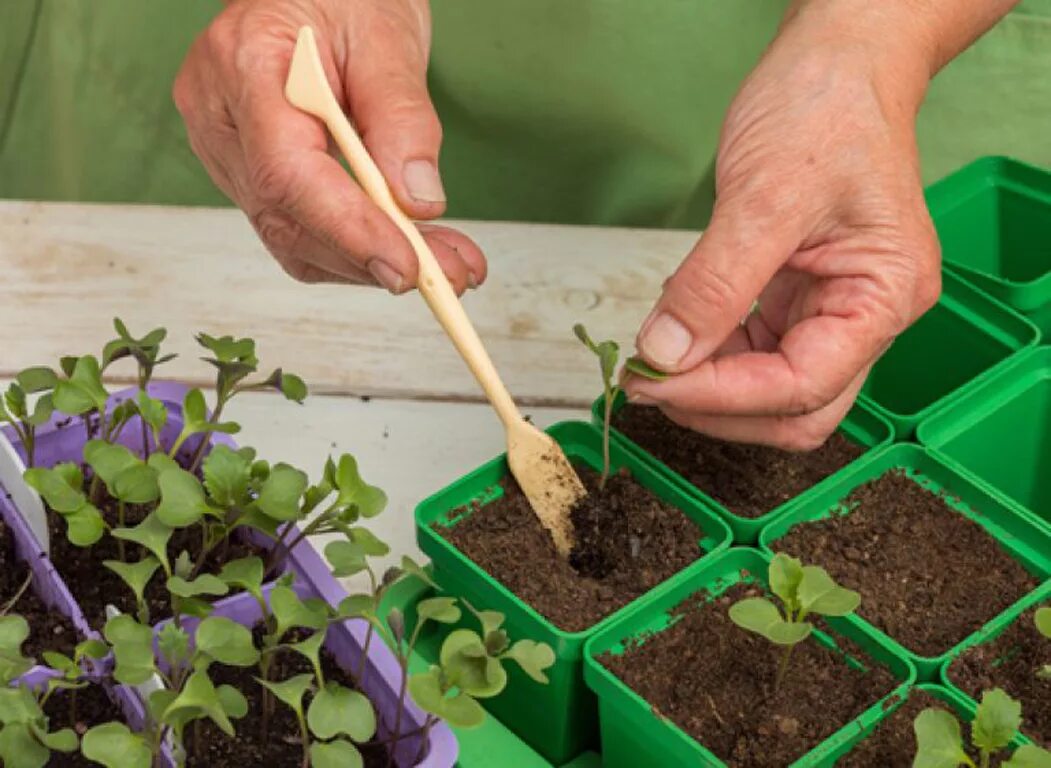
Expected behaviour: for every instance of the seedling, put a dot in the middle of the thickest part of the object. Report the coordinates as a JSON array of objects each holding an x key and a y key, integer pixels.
[
  {"x": 16, "y": 410},
  {"x": 1043, "y": 626},
  {"x": 608, "y": 354},
  {"x": 803, "y": 590},
  {"x": 940, "y": 744}
]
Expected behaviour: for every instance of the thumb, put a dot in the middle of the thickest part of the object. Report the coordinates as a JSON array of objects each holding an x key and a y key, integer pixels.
[
  {"x": 388, "y": 99},
  {"x": 714, "y": 288}
]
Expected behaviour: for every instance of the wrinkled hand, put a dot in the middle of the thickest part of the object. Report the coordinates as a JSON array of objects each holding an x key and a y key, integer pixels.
[
  {"x": 820, "y": 217},
  {"x": 275, "y": 162}
]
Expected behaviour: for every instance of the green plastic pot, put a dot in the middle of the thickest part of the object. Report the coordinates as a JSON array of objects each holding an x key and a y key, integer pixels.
[
  {"x": 492, "y": 744},
  {"x": 558, "y": 720},
  {"x": 862, "y": 426},
  {"x": 998, "y": 432},
  {"x": 994, "y": 221},
  {"x": 990, "y": 632},
  {"x": 632, "y": 735},
  {"x": 963, "y": 707},
  {"x": 1017, "y": 532},
  {"x": 958, "y": 343}
]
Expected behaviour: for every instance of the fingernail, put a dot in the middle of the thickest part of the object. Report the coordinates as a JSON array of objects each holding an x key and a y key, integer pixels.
[
  {"x": 640, "y": 399},
  {"x": 386, "y": 276},
  {"x": 472, "y": 281},
  {"x": 665, "y": 341},
  {"x": 424, "y": 183}
]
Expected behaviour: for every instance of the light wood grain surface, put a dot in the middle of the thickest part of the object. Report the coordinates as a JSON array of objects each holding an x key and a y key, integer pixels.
[{"x": 67, "y": 269}]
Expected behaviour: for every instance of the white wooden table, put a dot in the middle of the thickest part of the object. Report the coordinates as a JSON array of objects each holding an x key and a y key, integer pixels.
[{"x": 386, "y": 385}]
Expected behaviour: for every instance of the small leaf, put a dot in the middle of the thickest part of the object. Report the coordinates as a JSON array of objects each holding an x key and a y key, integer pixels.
[
  {"x": 281, "y": 491},
  {"x": 466, "y": 664},
  {"x": 173, "y": 644},
  {"x": 289, "y": 611},
  {"x": 227, "y": 642},
  {"x": 310, "y": 649},
  {"x": 997, "y": 720},
  {"x": 83, "y": 390},
  {"x": 20, "y": 749},
  {"x": 533, "y": 658},
  {"x": 245, "y": 573},
  {"x": 640, "y": 367},
  {"x": 1029, "y": 756},
  {"x": 819, "y": 594},
  {"x": 36, "y": 379},
  {"x": 1043, "y": 621},
  {"x": 459, "y": 710},
  {"x": 85, "y": 526},
  {"x": 183, "y": 502},
  {"x": 132, "y": 648},
  {"x": 42, "y": 411},
  {"x": 152, "y": 534},
  {"x": 13, "y": 632},
  {"x": 938, "y": 740},
  {"x": 785, "y": 575},
  {"x": 205, "y": 584},
  {"x": 335, "y": 754},
  {"x": 61, "y": 486},
  {"x": 759, "y": 615},
  {"x": 357, "y": 606},
  {"x": 608, "y": 354},
  {"x": 135, "y": 575},
  {"x": 290, "y": 691},
  {"x": 136, "y": 485},
  {"x": 226, "y": 475},
  {"x": 581, "y": 333},
  {"x": 346, "y": 558},
  {"x": 233, "y": 701},
  {"x": 336, "y": 710},
  {"x": 92, "y": 649},
  {"x": 199, "y": 695},
  {"x": 153, "y": 412},
  {"x": 368, "y": 542},
  {"x": 360, "y": 497},
  {"x": 444, "y": 610},
  {"x": 411, "y": 567},
  {"x": 108, "y": 459}
]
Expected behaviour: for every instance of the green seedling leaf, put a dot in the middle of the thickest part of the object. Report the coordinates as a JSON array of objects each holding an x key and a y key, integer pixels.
[
  {"x": 183, "y": 502},
  {"x": 108, "y": 460},
  {"x": 114, "y": 745},
  {"x": 173, "y": 644},
  {"x": 411, "y": 567},
  {"x": 42, "y": 411},
  {"x": 199, "y": 698},
  {"x": 1029, "y": 756},
  {"x": 161, "y": 462},
  {"x": 368, "y": 542},
  {"x": 606, "y": 351},
  {"x": 153, "y": 412},
  {"x": 61, "y": 486},
  {"x": 939, "y": 743},
  {"x": 1043, "y": 621},
  {"x": 354, "y": 493},
  {"x": 335, "y": 754},
  {"x": 533, "y": 658},
  {"x": 205, "y": 584},
  {"x": 345, "y": 557},
  {"x": 464, "y": 662},
  {"x": 226, "y": 475},
  {"x": 63, "y": 740},
  {"x": 62, "y": 663},
  {"x": 227, "y": 642},
  {"x": 310, "y": 649},
  {"x": 245, "y": 573},
  {"x": 291, "y": 691},
  {"x": 83, "y": 391},
  {"x": 640, "y": 367},
  {"x": 997, "y": 720},
  {"x": 36, "y": 379},
  {"x": 132, "y": 648},
  {"x": 785, "y": 575},
  {"x": 92, "y": 649},
  {"x": 227, "y": 349},
  {"x": 293, "y": 387},
  {"x": 18, "y": 705},
  {"x": 233, "y": 702},
  {"x": 13, "y": 632},
  {"x": 136, "y": 575},
  {"x": 444, "y": 610},
  {"x": 459, "y": 709},
  {"x": 819, "y": 594},
  {"x": 336, "y": 711},
  {"x": 151, "y": 534},
  {"x": 136, "y": 485},
  {"x": 19, "y": 748},
  {"x": 759, "y": 615},
  {"x": 290, "y": 612},
  {"x": 280, "y": 494},
  {"x": 360, "y": 606},
  {"x": 85, "y": 526}
]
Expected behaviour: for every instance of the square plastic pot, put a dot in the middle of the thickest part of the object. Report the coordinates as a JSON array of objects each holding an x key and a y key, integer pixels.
[
  {"x": 558, "y": 720},
  {"x": 958, "y": 343},
  {"x": 632, "y": 735},
  {"x": 1017, "y": 533},
  {"x": 993, "y": 218},
  {"x": 998, "y": 432},
  {"x": 862, "y": 426},
  {"x": 492, "y": 744}
]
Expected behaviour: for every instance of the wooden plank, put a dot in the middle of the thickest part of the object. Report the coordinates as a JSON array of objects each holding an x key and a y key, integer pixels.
[{"x": 69, "y": 268}]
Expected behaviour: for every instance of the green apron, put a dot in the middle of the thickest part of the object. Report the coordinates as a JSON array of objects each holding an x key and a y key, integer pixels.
[{"x": 590, "y": 111}]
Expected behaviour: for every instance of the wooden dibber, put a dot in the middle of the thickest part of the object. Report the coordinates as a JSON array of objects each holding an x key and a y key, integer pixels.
[{"x": 536, "y": 460}]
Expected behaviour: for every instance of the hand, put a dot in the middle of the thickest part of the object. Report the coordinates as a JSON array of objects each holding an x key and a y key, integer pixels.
[
  {"x": 275, "y": 162},
  {"x": 820, "y": 217}
]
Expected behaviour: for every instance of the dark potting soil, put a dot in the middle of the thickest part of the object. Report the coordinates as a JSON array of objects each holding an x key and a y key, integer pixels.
[
  {"x": 49, "y": 630},
  {"x": 1011, "y": 662},
  {"x": 927, "y": 575},
  {"x": 282, "y": 747},
  {"x": 716, "y": 682},
  {"x": 627, "y": 542},
  {"x": 93, "y": 707},
  {"x": 95, "y": 586},
  {"x": 749, "y": 480},
  {"x": 893, "y": 743}
]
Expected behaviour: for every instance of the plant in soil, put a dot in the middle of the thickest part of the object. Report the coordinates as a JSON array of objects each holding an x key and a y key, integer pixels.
[
  {"x": 1042, "y": 620},
  {"x": 608, "y": 354},
  {"x": 16, "y": 410},
  {"x": 803, "y": 591},
  {"x": 940, "y": 743},
  {"x": 26, "y": 740}
]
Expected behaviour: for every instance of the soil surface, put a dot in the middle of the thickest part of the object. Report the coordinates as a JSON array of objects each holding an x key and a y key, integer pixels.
[
  {"x": 716, "y": 682},
  {"x": 93, "y": 707},
  {"x": 49, "y": 630},
  {"x": 927, "y": 575},
  {"x": 628, "y": 541},
  {"x": 283, "y": 746},
  {"x": 95, "y": 586},
  {"x": 893, "y": 743},
  {"x": 749, "y": 480},
  {"x": 1011, "y": 662}
]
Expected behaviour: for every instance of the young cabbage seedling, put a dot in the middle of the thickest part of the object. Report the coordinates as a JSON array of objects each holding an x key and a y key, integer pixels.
[
  {"x": 803, "y": 590},
  {"x": 1043, "y": 626},
  {"x": 940, "y": 744},
  {"x": 16, "y": 411},
  {"x": 608, "y": 354}
]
